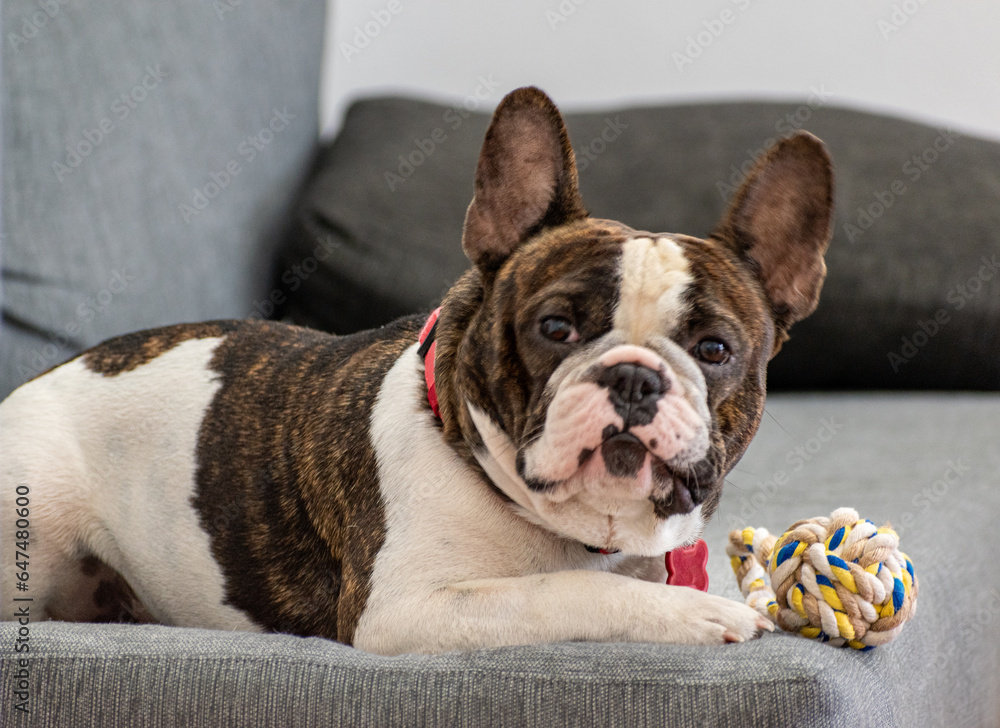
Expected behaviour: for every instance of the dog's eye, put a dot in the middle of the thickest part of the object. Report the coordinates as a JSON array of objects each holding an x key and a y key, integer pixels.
[
  {"x": 557, "y": 328},
  {"x": 712, "y": 351}
]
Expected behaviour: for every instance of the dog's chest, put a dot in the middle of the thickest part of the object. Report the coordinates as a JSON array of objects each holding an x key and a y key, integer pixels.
[{"x": 444, "y": 522}]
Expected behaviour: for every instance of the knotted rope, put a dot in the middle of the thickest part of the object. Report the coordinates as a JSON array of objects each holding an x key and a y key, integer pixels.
[{"x": 840, "y": 579}]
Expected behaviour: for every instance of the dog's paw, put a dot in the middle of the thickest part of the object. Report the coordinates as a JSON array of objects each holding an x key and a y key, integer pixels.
[{"x": 696, "y": 618}]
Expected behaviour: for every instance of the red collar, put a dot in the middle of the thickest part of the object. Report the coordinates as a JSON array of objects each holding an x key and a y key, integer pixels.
[
  {"x": 428, "y": 346},
  {"x": 685, "y": 565}
]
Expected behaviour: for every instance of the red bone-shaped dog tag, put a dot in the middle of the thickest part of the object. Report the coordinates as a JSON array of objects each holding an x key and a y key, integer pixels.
[{"x": 686, "y": 566}]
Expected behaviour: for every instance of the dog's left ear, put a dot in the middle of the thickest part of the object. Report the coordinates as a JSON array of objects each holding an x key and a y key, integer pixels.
[
  {"x": 780, "y": 221},
  {"x": 525, "y": 181}
]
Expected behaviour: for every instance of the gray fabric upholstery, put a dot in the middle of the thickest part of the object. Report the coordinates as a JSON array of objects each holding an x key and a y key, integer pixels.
[
  {"x": 106, "y": 249},
  {"x": 928, "y": 464},
  {"x": 153, "y": 676},
  {"x": 101, "y": 246},
  {"x": 882, "y": 455},
  {"x": 919, "y": 280}
]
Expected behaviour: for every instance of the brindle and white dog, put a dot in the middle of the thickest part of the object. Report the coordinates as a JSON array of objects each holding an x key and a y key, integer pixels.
[{"x": 595, "y": 386}]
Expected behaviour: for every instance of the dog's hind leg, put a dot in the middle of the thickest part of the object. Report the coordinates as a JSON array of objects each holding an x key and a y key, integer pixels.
[
  {"x": 46, "y": 572},
  {"x": 97, "y": 462}
]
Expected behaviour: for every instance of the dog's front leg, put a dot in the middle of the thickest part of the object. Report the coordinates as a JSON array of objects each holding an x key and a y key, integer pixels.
[{"x": 554, "y": 607}]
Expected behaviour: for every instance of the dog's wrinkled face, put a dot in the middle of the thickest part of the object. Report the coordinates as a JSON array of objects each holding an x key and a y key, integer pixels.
[
  {"x": 608, "y": 379},
  {"x": 639, "y": 366}
]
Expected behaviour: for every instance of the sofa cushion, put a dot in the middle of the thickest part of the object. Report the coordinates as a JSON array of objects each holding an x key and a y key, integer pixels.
[
  {"x": 913, "y": 291},
  {"x": 150, "y": 154},
  {"x": 927, "y": 463},
  {"x": 136, "y": 676}
]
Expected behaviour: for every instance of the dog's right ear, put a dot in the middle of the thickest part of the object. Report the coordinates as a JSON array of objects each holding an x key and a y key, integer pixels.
[
  {"x": 780, "y": 222},
  {"x": 525, "y": 180}
]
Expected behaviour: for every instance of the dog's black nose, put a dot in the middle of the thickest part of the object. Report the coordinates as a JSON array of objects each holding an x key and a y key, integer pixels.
[{"x": 634, "y": 391}]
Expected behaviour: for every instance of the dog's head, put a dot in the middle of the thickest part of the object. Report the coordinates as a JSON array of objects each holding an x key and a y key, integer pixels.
[{"x": 605, "y": 379}]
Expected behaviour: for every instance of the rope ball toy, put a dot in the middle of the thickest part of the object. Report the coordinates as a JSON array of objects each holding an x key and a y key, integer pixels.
[{"x": 840, "y": 580}]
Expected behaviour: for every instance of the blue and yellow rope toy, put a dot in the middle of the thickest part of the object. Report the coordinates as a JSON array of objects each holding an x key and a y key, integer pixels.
[{"x": 840, "y": 579}]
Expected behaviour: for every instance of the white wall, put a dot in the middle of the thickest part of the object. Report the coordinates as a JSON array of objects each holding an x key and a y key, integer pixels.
[{"x": 929, "y": 60}]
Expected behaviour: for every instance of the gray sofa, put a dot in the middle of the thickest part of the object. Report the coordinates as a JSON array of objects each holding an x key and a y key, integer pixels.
[{"x": 135, "y": 235}]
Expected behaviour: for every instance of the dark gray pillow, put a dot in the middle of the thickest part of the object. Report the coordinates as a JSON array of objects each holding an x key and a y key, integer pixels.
[
  {"x": 913, "y": 292},
  {"x": 151, "y": 151}
]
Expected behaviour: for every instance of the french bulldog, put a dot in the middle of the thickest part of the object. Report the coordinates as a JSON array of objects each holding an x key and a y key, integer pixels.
[{"x": 588, "y": 388}]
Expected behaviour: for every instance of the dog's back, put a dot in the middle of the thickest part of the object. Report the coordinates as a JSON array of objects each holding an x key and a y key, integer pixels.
[{"x": 186, "y": 428}]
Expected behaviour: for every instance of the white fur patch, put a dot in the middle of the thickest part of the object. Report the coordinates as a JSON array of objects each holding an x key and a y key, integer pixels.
[
  {"x": 594, "y": 509},
  {"x": 654, "y": 276},
  {"x": 110, "y": 465},
  {"x": 460, "y": 568},
  {"x": 574, "y": 422},
  {"x": 580, "y": 411},
  {"x": 443, "y": 524}
]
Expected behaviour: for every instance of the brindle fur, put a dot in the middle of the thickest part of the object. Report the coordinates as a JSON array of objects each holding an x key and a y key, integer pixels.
[
  {"x": 286, "y": 485},
  {"x": 752, "y": 279}
]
